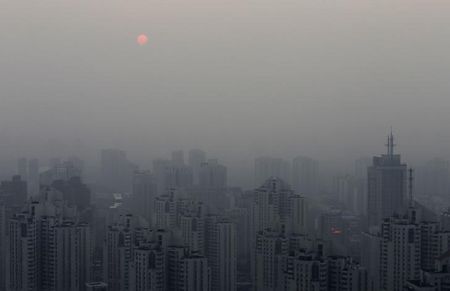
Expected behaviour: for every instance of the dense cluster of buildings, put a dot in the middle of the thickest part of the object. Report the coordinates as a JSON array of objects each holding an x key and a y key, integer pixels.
[{"x": 180, "y": 226}]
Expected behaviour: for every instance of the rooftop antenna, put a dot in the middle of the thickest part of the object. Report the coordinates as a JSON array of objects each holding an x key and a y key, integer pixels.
[
  {"x": 390, "y": 144},
  {"x": 410, "y": 187}
]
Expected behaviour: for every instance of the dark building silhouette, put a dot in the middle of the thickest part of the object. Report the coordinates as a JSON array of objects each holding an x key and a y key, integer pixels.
[
  {"x": 387, "y": 186},
  {"x": 14, "y": 192},
  {"x": 74, "y": 192}
]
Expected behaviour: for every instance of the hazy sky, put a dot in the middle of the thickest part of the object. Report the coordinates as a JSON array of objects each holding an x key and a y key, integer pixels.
[{"x": 237, "y": 78}]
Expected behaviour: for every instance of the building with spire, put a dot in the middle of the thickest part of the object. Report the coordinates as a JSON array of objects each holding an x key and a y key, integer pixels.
[{"x": 387, "y": 185}]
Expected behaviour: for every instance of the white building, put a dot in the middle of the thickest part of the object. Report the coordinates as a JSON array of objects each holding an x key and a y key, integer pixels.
[{"x": 400, "y": 253}]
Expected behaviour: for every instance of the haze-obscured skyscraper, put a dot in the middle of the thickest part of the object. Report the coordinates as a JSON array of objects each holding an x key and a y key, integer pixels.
[
  {"x": 60, "y": 171},
  {"x": 169, "y": 174},
  {"x": 33, "y": 177},
  {"x": 14, "y": 192},
  {"x": 213, "y": 175},
  {"x": 433, "y": 178},
  {"x": 266, "y": 167},
  {"x": 75, "y": 192},
  {"x": 277, "y": 208},
  {"x": 387, "y": 186},
  {"x": 305, "y": 176},
  {"x": 196, "y": 159},
  {"x": 116, "y": 170},
  {"x": 144, "y": 193},
  {"x": 22, "y": 168},
  {"x": 360, "y": 172},
  {"x": 178, "y": 158},
  {"x": 28, "y": 170}
]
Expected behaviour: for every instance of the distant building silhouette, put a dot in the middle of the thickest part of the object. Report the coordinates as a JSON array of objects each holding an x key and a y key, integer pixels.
[
  {"x": 305, "y": 176},
  {"x": 196, "y": 159},
  {"x": 266, "y": 167},
  {"x": 212, "y": 175},
  {"x": 171, "y": 174},
  {"x": 387, "y": 186},
  {"x": 144, "y": 194},
  {"x": 74, "y": 192},
  {"x": 116, "y": 170},
  {"x": 14, "y": 192}
]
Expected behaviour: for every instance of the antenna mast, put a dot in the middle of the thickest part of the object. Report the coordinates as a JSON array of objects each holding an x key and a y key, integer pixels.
[{"x": 390, "y": 144}]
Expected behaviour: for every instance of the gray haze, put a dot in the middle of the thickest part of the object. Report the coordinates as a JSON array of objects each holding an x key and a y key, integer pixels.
[{"x": 237, "y": 78}]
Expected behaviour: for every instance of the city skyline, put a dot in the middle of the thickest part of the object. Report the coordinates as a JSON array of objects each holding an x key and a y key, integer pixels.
[{"x": 225, "y": 145}]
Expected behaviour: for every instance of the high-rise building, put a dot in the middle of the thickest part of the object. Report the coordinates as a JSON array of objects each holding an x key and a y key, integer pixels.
[
  {"x": 48, "y": 248},
  {"x": 193, "y": 232},
  {"x": 60, "y": 172},
  {"x": 345, "y": 274},
  {"x": 148, "y": 268},
  {"x": 305, "y": 271},
  {"x": 14, "y": 192},
  {"x": 22, "y": 168},
  {"x": 178, "y": 158},
  {"x": 266, "y": 167},
  {"x": 212, "y": 175},
  {"x": 241, "y": 218},
  {"x": 433, "y": 178},
  {"x": 116, "y": 170},
  {"x": 270, "y": 249},
  {"x": 4, "y": 230},
  {"x": 166, "y": 211},
  {"x": 345, "y": 188},
  {"x": 135, "y": 256},
  {"x": 360, "y": 183},
  {"x": 370, "y": 259},
  {"x": 118, "y": 257},
  {"x": 271, "y": 205},
  {"x": 33, "y": 177},
  {"x": 196, "y": 159},
  {"x": 169, "y": 174},
  {"x": 221, "y": 253},
  {"x": 187, "y": 271},
  {"x": 400, "y": 253},
  {"x": 195, "y": 273},
  {"x": 74, "y": 192},
  {"x": 360, "y": 167},
  {"x": 175, "y": 256},
  {"x": 297, "y": 211},
  {"x": 22, "y": 258},
  {"x": 305, "y": 176},
  {"x": 387, "y": 186},
  {"x": 144, "y": 193},
  {"x": 72, "y": 256}
]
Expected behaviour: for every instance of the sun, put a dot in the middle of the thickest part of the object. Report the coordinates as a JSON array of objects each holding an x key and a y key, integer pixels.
[{"x": 142, "y": 39}]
